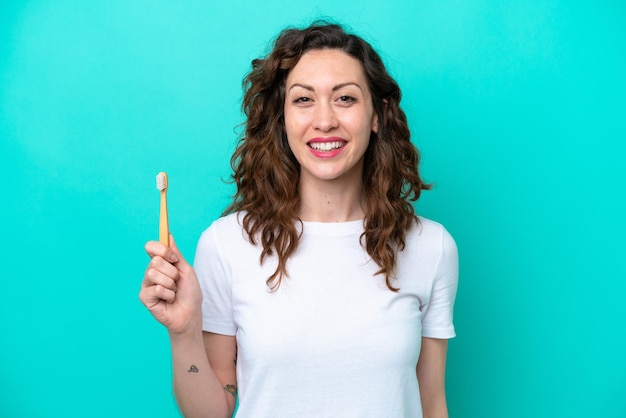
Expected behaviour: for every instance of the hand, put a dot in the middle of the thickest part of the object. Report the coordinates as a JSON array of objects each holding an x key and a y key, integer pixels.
[{"x": 170, "y": 289}]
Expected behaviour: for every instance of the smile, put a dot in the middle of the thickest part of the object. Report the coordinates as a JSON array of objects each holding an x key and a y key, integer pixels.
[{"x": 326, "y": 146}]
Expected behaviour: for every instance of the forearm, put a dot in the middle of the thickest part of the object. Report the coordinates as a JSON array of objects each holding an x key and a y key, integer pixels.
[
  {"x": 434, "y": 407},
  {"x": 198, "y": 391}
]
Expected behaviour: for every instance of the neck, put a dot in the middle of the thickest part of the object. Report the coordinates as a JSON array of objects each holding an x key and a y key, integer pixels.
[{"x": 330, "y": 201}]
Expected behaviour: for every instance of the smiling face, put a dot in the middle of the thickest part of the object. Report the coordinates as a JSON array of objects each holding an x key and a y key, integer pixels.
[{"x": 329, "y": 116}]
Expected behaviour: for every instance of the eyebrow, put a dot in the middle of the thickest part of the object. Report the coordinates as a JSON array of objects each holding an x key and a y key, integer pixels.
[{"x": 335, "y": 88}]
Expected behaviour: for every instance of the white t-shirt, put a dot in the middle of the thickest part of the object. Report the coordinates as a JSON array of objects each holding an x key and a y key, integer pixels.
[{"x": 333, "y": 340}]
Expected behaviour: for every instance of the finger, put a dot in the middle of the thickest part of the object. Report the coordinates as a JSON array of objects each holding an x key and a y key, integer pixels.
[
  {"x": 182, "y": 263},
  {"x": 155, "y": 276},
  {"x": 163, "y": 266},
  {"x": 164, "y": 293},
  {"x": 173, "y": 246},
  {"x": 151, "y": 296},
  {"x": 156, "y": 248}
]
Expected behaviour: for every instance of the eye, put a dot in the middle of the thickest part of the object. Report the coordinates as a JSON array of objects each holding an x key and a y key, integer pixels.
[
  {"x": 301, "y": 100},
  {"x": 346, "y": 99}
]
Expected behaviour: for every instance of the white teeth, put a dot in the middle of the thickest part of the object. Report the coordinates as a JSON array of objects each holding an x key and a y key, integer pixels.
[{"x": 326, "y": 146}]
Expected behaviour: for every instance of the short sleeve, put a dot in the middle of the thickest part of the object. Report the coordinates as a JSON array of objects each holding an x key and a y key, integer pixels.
[
  {"x": 217, "y": 312},
  {"x": 438, "y": 313}
]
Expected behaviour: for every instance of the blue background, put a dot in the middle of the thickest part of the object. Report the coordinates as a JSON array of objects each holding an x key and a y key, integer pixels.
[{"x": 518, "y": 108}]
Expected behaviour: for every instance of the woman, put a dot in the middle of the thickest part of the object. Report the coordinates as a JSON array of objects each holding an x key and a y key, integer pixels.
[{"x": 320, "y": 293}]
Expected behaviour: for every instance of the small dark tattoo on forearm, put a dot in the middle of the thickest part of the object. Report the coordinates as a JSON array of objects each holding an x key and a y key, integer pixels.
[
  {"x": 232, "y": 389},
  {"x": 193, "y": 369}
]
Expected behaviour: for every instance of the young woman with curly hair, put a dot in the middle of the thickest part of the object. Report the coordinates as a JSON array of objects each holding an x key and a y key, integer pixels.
[{"x": 320, "y": 292}]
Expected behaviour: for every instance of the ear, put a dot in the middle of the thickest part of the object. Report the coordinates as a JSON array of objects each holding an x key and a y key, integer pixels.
[{"x": 375, "y": 117}]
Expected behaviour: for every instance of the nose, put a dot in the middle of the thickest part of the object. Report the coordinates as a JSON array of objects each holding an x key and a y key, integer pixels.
[{"x": 324, "y": 118}]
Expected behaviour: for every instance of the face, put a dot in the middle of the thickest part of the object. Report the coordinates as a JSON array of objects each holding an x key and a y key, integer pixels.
[{"x": 329, "y": 116}]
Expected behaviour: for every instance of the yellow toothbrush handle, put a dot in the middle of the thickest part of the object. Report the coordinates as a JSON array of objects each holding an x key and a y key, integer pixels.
[{"x": 164, "y": 230}]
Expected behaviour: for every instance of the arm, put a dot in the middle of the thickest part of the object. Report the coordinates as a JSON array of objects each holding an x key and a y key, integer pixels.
[
  {"x": 431, "y": 371},
  {"x": 204, "y": 374},
  {"x": 171, "y": 292}
]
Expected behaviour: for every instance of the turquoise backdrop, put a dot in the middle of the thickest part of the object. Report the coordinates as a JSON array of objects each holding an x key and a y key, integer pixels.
[{"x": 518, "y": 108}]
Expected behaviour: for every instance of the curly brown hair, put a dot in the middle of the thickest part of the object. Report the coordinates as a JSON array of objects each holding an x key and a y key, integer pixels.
[{"x": 266, "y": 172}]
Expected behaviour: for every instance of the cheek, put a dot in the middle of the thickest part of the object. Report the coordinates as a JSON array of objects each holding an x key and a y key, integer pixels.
[
  {"x": 294, "y": 125},
  {"x": 288, "y": 130},
  {"x": 292, "y": 139},
  {"x": 364, "y": 124}
]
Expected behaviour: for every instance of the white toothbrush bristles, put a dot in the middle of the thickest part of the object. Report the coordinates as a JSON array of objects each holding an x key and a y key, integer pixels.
[{"x": 161, "y": 181}]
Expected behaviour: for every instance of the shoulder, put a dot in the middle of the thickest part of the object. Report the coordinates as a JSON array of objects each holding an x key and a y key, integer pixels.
[
  {"x": 227, "y": 239},
  {"x": 431, "y": 232},
  {"x": 223, "y": 230},
  {"x": 429, "y": 243},
  {"x": 227, "y": 222},
  {"x": 225, "y": 225},
  {"x": 428, "y": 259}
]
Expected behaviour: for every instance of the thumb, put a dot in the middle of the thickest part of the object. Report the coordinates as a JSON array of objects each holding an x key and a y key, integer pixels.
[{"x": 177, "y": 253}]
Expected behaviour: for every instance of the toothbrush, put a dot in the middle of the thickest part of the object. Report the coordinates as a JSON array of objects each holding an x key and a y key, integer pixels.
[{"x": 164, "y": 230}]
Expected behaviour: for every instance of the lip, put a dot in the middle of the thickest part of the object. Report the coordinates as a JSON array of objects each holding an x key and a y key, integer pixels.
[{"x": 326, "y": 154}]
